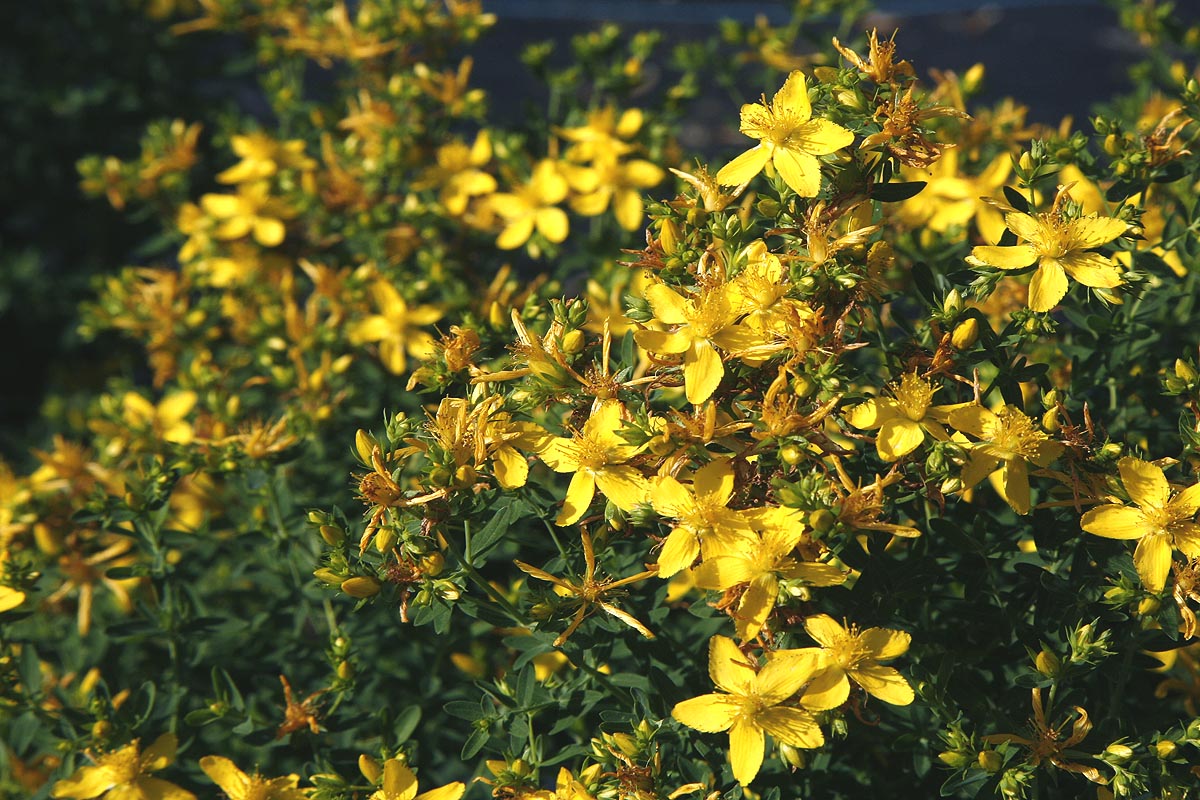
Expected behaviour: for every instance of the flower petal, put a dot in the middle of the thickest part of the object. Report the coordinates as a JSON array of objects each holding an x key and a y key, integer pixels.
[
  {"x": 824, "y": 629},
  {"x": 724, "y": 572},
  {"x": 708, "y": 713},
  {"x": 799, "y": 170},
  {"x": 898, "y": 437},
  {"x": 663, "y": 341},
  {"x": 828, "y": 690},
  {"x": 885, "y": 683},
  {"x": 702, "y": 371},
  {"x": 746, "y": 748},
  {"x": 1087, "y": 232},
  {"x": 1145, "y": 482},
  {"x": 668, "y": 305},
  {"x": 715, "y": 481},
  {"x": 1014, "y": 257},
  {"x": 757, "y": 603},
  {"x": 884, "y": 643},
  {"x": 158, "y": 789},
  {"x": 792, "y": 98},
  {"x": 820, "y": 137},
  {"x": 1186, "y": 503},
  {"x": 1153, "y": 560},
  {"x": 784, "y": 674},
  {"x": 791, "y": 726},
  {"x": 451, "y": 791},
  {"x": 1092, "y": 269},
  {"x": 224, "y": 773},
  {"x": 678, "y": 552},
  {"x": 399, "y": 782},
  {"x": 622, "y": 484},
  {"x": 728, "y": 667},
  {"x": 85, "y": 783},
  {"x": 1048, "y": 287},
  {"x": 1014, "y": 480},
  {"x": 579, "y": 496},
  {"x": 1115, "y": 522},
  {"x": 744, "y": 167}
]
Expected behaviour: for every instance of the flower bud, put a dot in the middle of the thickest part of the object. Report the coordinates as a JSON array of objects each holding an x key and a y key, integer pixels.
[
  {"x": 822, "y": 520},
  {"x": 1047, "y": 663},
  {"x": 953, "y": 302},
  {"x": 386, "y": 539},
  {"x": 333, "y": 535},
  {"x": 965, "y": 334},
  {"x": 361, "y": 586},
  {"x": 990, "y": 760},
  {"x": 432, "y": 564},
  {"x": 364, "y": 443},
  {"x": 954, "y": 759},
  {"x": 792, "y": 756},
  {"x": 573, "y": 342},
  {"x": 1117, "y": 753},
  {"x": 327, "y": 576},
  {"x": 790, "y": 454},
  {"x": 370, "y": 768},
  {"x": 1166, "y": 749}
]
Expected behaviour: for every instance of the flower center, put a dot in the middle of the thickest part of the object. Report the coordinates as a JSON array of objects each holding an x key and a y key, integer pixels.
[
  {"x": 914, "y": 395},
  {"x": 1012, "y": 434},
  {"x": 592, "y": 454}
]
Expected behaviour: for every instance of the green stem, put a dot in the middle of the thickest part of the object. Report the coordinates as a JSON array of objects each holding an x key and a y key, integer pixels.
[{"x": 487, "y": 587}]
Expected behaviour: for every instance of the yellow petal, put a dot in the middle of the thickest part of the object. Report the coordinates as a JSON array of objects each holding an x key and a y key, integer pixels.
[
  {"x": 623, "y": 485},
  {"x": 1014, "y": 479},
  {"x": 1092, "y": 269},
  {"x": 662, "y": 341},
  {"x": 815, "y": 574},
  {"x": 399, "y": 782},
  {"x": 898, "y": 437},
  {"x": 224, "y": 773},
  {"x": 451, "y": 791},
  {"x": 702, "y": 371},
  {"x": 1153, "y": 561},
  {"x": 516, "y": 234},
  {"x": 10, "y": 598},
  {"x": 679, "y": 551},
  {"x": 743, "y": 168},
  {"x": 971, "y": 419},
  {"x": 724, "y": 572},
  {"x": 792, "y": 98},
  {"x": 560, "y": 455},
  {"x": 1014, "y": 257},
  {"x": 824, "y": 630},
  {"x": 799, "y": 170},
  {"x": 160, "y": 754},
  {"x": 552, "y": 223},
  {"x": 728, "y": 667},
  {"x": 85, "y": 783},
  {"x": 885, "y": 683},
  {"x": 1116, "y": 522},
  {"x": 979, "y": 465},
  {"x": 157, "y": 789},
  {"x": 866, "y": 416},
  {"x": 885, "y": 644},
  {"x": 829, "y": 689},
  {"x": 757, "y": 603},
  {"x": 1186, "y": 503},
  {"x": 1048, "y": 286},
  {"x": 820, "y": 137},
  {"x": 1025, "y": 227},
  {"x": 791, "y": 726},
  {"x": 670, "y": 497},
  {"x": 1088, "y": 232},
  {"x": 746, "y": 748},
  {"x": 269, "y": 232},
  {"x": 715, "y": 481},
  {"x": 510, "y": 467},
  {"x": 709, "y": 713},
  {"x": 668, "y": 305},
  {"x": 628, "y": 209},
  {"x": 579, "y": 497},
  {"x": 1145, "y": 482}
]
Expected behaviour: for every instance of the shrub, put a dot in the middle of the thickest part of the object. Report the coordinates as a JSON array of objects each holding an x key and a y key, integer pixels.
[{"x": 863, "y": 457}]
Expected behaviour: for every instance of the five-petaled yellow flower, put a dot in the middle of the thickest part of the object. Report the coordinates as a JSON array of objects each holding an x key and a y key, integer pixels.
[
  {"x": 597, "y": 456},
  {"x": 847, "y": 654},
  {"x": 121, "y": 775},
  {"x": 1060, "y": 247},
  {"x": 237, "y": 785},
  {"x": 789, "y": 138},
  {"x": 397, "y": 328},
  {"x": 1010, "y": 443},
  {"x": 1161, "y": 523},
  {"x": 752, "y": 705},
  {"x": 704, "y": 524},
  {"x": 704, "y": 322},
  {"x": 903, "y": 419},
  {"x": 533, "y": 205}
]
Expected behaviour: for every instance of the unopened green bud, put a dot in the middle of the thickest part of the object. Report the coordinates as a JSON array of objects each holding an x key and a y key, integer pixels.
[
  {"x": 990, "y": 761},
  {"x": 361, "y": 586}
]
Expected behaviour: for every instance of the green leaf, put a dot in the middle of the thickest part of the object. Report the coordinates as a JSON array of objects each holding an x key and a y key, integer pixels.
[
  {"x": 895, "y": 192},
  {"x": 1016, "y": 199}
]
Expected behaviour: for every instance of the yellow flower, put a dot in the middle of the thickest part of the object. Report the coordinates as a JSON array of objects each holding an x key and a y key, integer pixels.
[
  {"x": 604, "y": 134},
  {"x": 952, "y": 199},
  {"x": 263, "y": 156},
  {"x": 10, "y": 598},
  {"x": 597, "y": 456},
  {"x": 1011, "y": 441},
  {"x": 167, "y": 421},
  {"x": 458, "y": 173},
  {"x": 752, "y": 705},
  {"x": 704, "y": 522},
  {"x": 903, "y": 419},
  {"x": 396, "y": 328},
  {"x": 1161, "y": 523},
  {"x": 120, "y": 775},
  {"x": 789, "y": 138},
  {"x": 240, "y": 786},
  {"x": 533, "y": 205},
  {"x": 399, "y": 783},
  {"x": 761, "y": 565},
  {"x": 1059, "y": 247},
  {"x": 849, "y": 654},
  {"x": 618, "y": 183},
  {"x": 704, "y": 322},
  {"x": 251, "y": 211}
]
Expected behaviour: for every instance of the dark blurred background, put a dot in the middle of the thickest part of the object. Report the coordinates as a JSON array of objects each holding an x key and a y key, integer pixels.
[{"x": 85, "y": 76}]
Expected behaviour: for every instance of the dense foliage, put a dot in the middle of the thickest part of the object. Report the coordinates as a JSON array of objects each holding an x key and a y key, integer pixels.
[{"x": 445, "y": 454}]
